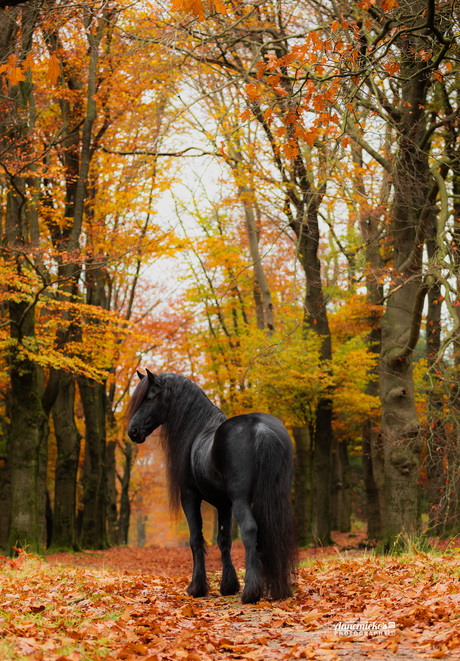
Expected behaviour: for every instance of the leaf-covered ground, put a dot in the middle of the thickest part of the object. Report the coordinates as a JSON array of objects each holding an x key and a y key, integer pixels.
[{"x": 131, "y": 604}]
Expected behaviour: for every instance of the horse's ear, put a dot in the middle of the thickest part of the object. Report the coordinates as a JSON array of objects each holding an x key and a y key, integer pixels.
[
  {"x": 140, "y": 375},
  {"x": 152, "y": 377}
]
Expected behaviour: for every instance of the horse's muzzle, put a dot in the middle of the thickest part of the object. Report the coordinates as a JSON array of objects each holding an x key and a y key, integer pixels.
[{"x": 136, "y": 435}]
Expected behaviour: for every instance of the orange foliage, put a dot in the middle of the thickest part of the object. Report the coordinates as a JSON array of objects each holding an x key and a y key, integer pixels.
[{"x": 75, "y": 607}]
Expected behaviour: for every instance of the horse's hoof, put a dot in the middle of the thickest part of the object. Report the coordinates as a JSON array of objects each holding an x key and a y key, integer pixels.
[
  {"x": 281, "y": 594},
  {"x": 250, "y": 598},
  {"x": 197, "y": 591},
  {"x": 251, "y": 594},
  {"x": 229, "y": 585}
]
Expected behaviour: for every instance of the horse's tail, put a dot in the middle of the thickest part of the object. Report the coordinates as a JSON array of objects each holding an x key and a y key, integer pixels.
[{"x": 273, "y": 512}]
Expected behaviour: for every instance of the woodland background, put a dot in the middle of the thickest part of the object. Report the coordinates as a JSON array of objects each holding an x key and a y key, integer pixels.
[{"x": 263, "y": 196}]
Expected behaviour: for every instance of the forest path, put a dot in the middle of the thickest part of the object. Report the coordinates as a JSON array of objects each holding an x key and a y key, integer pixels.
[
  {"x": 407, "y": 607},
  {"x": 131, "y": 604}
]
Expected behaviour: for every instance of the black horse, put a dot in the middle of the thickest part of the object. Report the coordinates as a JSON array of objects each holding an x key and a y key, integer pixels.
[{"x": 243, "y": 464}]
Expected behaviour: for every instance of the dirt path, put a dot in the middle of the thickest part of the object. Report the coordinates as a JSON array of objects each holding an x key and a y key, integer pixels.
[{"x": 345, "y": 605}]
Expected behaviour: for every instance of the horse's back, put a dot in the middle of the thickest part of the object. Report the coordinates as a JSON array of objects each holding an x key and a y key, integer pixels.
[
  {"x": 241, "y": 441},
  {"x": 246, "y": 428}
]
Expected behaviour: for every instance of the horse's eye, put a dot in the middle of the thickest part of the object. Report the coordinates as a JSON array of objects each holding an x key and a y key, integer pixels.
[{"x": 151, "y": 398}]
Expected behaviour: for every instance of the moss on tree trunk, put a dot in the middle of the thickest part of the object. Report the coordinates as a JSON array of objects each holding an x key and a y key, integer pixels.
[{"x": 27, "y": 447}]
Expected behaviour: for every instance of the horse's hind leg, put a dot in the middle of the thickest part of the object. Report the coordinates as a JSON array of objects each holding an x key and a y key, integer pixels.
[
  {"x": 191, "y": 504},
  {"x": 253, "y": 582},
  {"x": 229, "y": 583}
]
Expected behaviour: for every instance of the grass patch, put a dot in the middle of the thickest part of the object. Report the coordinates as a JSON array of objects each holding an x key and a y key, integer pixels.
[{"x": 54, "y": 610}]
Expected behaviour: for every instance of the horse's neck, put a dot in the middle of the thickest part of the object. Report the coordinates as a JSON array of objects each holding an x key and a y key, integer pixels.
[{"x": 199, "y": 413}]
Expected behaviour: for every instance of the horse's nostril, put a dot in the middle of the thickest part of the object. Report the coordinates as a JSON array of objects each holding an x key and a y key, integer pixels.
[{"x": 133, "y": 432}]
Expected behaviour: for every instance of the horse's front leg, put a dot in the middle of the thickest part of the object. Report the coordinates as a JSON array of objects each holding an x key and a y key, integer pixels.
[
  {"x": 191, "y": 504},
  {"x": 229, "y": 583}
]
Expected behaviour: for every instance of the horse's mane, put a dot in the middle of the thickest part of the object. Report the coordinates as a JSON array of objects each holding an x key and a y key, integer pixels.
[
  {"x": 189, "y": 413},
  {"x": 137, "y": 398}
]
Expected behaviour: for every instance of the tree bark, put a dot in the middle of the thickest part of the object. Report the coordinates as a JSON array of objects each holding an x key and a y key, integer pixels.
[
  {"x": 27, "y": 452},
  {"x": 302, "y": 485},
  {"x": 402, "y": 318},
  {"x": 27, "y": 449},
  {"x": 5, "y": 492},
  {"x": 316, "y": 321},
  {"x": 453, "y": 454},
  {"x": 373, "y": 503},
  {"x": 93, "y": 526},
  {"x": 112, "y": 514},
  {"x": 125, "y": 505},
  {"x": 68, "y": 452},
  {"x": 340, "y": 487},
  {"x": 141, "y": 520},
  {"x": 262, "y": 294},
  {"x": 400, "y": 428},
  {"x": 436, "y": 461},
  {"x": 372, "y": 452},
  {"x": 76, "y": 154}
]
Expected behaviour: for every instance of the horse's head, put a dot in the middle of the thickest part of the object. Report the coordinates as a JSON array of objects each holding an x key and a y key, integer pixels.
[{"x": 145, "y": 412}]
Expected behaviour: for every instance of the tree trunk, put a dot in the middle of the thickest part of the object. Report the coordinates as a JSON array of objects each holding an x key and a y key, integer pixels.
[
  {"x": 261, "y": 287},
  {"x": 141, "y": 520},
  {"x": 302, "y": 485},
  {"x": 436, "y": 457},
  {"x": 5, "y": 491},
  {"x": 77, "y": 156},
  {"x": 453, "y": 453},
  {"x": 112, "y": 514},
  {"x": 322, "y": 473},
  {"x": 400, "y": 428},
  {"x": 26, "y": 458},
  {"x": 93, "y": 526},
  {"x": 68, "y": 453},
  {"x": 316, "y": 321},
  {"x": 27, "y": 449},
  {"x": 374, "y": 479},
  {"x": 125, "y": 505},
  {"x": 372, "y": 453},
  {"x": 262, "y": 294},
  {"x": 412, "y": 208},
  {"x": 5, "y": 479},
  {"x": 340, "y": 488}
]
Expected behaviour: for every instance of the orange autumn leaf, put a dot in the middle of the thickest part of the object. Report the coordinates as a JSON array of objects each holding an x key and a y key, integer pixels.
[
  {"x": 194, "y": 7},
  {"x": 219, "y": 7},
  {"x": 252, "y": 91},
  {"x": 54, "y": 69},
  {"x": 14, "y": 73},
  {"x": 310, "y": 137}
]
